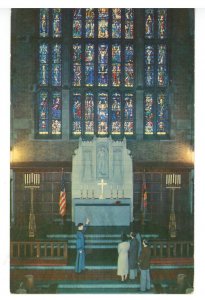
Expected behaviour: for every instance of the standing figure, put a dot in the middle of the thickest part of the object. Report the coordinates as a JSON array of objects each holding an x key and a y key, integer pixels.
[
  {"x": 144, "y": 264},
  {"x": 138, "y": 238},
  {"x": 133, "y": 254},
  {"x": 80, "y": 246},
  {"x": 122, "y": 264}
]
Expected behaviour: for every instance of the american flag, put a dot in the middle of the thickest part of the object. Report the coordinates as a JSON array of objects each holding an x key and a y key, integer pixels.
[{"x": 62, "y": 198}]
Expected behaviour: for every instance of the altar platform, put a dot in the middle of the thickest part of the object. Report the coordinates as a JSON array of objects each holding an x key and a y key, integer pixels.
[{"x": 102, "y": 212}]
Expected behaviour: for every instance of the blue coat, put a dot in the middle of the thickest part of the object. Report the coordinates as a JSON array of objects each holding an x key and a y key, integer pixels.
[{"x": 80, "y": 246}]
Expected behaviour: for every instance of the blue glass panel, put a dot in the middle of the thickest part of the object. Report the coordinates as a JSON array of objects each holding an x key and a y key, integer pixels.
[
  {"x": 89, "y": 75},
  {"x": 89, "y": 113},
  {"x": 77, "y": 52},
  {"x": 103, "y": 29},
  {"x": 148, "y": 114},
  {"x": 129, "y": 24},
  {"x": 116, "y": 53},
  {"x": 77, "y": 71},
  {"x": 149, "y": 55},
  {"x": 129, "y": 75},
  {"x": 149, "y": 75},
  {"x": 43, "y": 76},
  {"x": 129, "y": 14},
  {"x": 57, "y": 27},
  {"x": 43, "y": 53},
  {"x": 56, "y": 105},
  {"x": 162, "y": 114},
  {"x": 77, "y": 114},
  {"x": 116, "y": 23},
  {"x": 56, "y": 53},
  {"x": 116, "y": 114},
  {"x": 128, "y": 114},
  {"x": 162, "y": 54},
  {"x": 149, "y": 23},
  {"x": 43, "y": 113},
  {"x": 162, "y": 23},
  {"x": 103, "y": 54},
  {"x": 77, "y": 13},
  {"x": 44, "y": 22},
  {"x": 102, "y": 113},
  {"x": 129, "y": 52},
  {"x": 56, "y": 74},
  {"x": 102, "y": 65}
]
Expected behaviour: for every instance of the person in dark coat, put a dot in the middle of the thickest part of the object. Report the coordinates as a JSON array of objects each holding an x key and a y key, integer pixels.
[
  {"x": 80, "y": 246},
  {"x": 134, "y": 244},
  {"x": 144, "y": 264}
]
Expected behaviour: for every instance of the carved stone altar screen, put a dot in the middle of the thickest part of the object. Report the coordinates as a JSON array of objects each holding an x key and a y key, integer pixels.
[{"x": 102, "y": 169}]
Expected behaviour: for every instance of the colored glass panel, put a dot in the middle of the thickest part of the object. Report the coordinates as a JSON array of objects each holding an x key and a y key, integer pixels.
[
  {"x": 162, "y": 70},
  {"x": 56, "y": 25},
  {"x": 116, "y": 23},
  {"x": 43, "y": 76},
  {"x": 56, "y": 74},
  {"x": 149, "y": 65},
  {"x": 102, "y": 65},
  {"x": 77, "y": 23},
  {"x": 56, "y": 53},
  {"x": 89, "y": 24},
  {"x": 44, "y": 22},
  {"x": 89, "y": 65},
  {"x": 162, "y": 23},
  {"x": 129, "y": 53},
  {"x": 43, "y": 113},
  {"x": 43, "y": 53},
  {"x": 116, "y": 122},
  {"x": 56, "y": 113},
  {"x": 103, "y": 23},
  {"x": 162, "y": 115},
  {"x": 129, "y": 75},
  {"x": 77, "y": 114},
  {"x": 149, "y": 114},
  {"x": 89, "y": 113},
  {"x": 129, "y": 24},
  {"x": 116, "y": 64},
  {"x": 77, "y": 72},
  {"x": 102, "y": 113},
  {"x": 128, "y": 114},
  {"x": 149, "y": 23}
]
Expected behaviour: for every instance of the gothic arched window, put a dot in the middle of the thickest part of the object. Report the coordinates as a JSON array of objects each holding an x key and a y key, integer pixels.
[
  {"x": 156, "y": 118},
  {"x": 103, "y": 99},
  {"x": 49, "y": 100}
]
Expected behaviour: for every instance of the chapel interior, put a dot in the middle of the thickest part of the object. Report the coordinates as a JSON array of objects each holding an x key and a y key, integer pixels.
[{"x": 102, "y": 100}]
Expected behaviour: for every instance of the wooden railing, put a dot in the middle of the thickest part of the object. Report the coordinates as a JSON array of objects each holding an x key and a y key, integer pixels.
[
  {"x": 163, "y": 249},
  {"x": 39, "y": 249},
  {"x": 58, "y": 250}
]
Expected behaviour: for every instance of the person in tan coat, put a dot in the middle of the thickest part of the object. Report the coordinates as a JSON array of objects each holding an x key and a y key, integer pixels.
[{"x": 122, "y": 264}]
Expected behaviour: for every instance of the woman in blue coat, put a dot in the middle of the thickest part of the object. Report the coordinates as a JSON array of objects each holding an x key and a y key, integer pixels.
[{"x": 80, "y": 246}]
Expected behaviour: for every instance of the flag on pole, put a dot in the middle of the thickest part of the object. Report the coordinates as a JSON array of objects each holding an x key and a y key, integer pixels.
[
  {"x": 62, "y": 198},
  {"x": 144, "y": 194}
]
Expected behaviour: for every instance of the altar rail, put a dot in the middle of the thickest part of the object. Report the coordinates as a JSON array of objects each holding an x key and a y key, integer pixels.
[{"x": 57, "y": 251}]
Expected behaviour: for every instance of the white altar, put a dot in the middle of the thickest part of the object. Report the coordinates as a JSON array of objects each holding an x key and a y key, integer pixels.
[{"x": 102, "y": 182}]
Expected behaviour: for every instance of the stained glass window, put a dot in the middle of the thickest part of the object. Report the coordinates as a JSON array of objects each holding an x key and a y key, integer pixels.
[
  {"x": 116, "y": 118},
  {"x": 156, "y": 73},
  {"x": 89, "y": 113},
  {"x": 49, "y": 107},
  {"x": 116, "y": 65},
  {"x": 77, "y": 23},
  {"x": 102, "y": 61},
  {"x": 103, "y": 23},
  {"x": 116, "y": 22},
  {"x": 128, "y": 114},
  {"x": 90, "y": 23},
  {"x": 102, "y": 113},
  {"x": 77, "y": 114}
]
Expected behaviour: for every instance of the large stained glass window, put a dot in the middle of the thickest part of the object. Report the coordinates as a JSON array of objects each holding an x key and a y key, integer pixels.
[
  {"x": 156, "y": 118},
  {"x": 49, "y": 100},
  {"x": 103, "y": 72}
]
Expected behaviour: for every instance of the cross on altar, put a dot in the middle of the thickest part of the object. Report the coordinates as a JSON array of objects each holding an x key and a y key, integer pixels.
[{"x": 102, "y": 184}]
